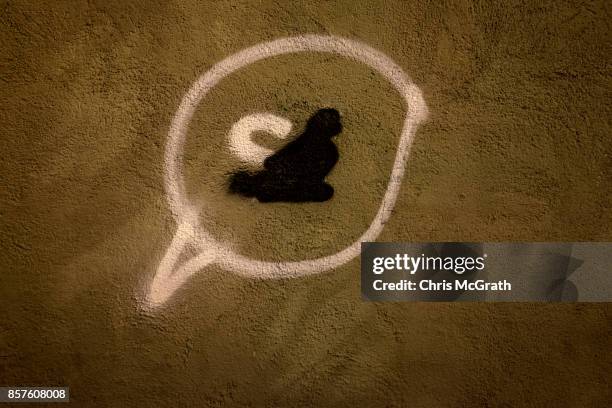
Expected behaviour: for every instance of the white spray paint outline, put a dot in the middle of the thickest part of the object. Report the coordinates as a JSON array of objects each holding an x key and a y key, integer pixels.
[{"x": 169, "y": 276}]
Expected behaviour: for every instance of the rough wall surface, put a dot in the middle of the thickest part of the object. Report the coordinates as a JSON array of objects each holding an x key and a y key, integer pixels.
[{"x": 517, "y": 146}]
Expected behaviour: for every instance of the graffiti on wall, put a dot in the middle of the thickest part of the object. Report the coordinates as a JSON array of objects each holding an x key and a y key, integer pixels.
[{"x": 173, "y": 272}]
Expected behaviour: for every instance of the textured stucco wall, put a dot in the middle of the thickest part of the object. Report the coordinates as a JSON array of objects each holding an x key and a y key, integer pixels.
[{"x": 517, "y": 147}]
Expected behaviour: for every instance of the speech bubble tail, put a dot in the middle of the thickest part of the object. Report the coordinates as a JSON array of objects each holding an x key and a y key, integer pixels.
[{"x": 171, "y": 274}]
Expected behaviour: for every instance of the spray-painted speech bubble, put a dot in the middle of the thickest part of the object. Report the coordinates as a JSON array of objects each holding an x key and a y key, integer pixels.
[{"x": 190, "y": 234}]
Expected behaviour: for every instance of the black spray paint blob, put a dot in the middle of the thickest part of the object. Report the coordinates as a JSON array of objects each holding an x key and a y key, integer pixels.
[{"x": 296, "y": 173}]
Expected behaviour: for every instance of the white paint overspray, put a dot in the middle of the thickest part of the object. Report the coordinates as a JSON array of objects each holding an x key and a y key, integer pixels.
[{"x": 169, "y": 275}]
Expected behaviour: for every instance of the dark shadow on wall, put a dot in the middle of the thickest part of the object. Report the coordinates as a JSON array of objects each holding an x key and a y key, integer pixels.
[{"x": 297, "y": 172}]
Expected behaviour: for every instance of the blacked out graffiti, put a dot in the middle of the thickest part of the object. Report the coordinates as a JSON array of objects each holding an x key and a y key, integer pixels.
[{"x": 296, "y": 173}]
